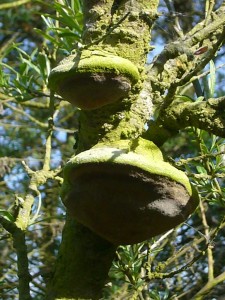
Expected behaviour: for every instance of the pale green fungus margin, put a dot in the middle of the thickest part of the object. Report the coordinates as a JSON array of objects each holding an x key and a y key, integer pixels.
[
  {"x": 146, "y": 156},
  {"x": 95, "y": 61}
]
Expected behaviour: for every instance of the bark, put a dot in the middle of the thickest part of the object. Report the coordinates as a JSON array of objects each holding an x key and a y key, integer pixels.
[
  {"x": 19, "y": 243},
  {"x": 121, "y": 28},
  {"x": 207, "y": 115},
  {"x": 177, "y": 65},
  {"x": 82, "y": 265}
]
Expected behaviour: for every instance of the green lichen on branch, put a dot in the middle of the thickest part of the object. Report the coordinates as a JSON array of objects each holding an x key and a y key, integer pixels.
[
  {"x": 120, "y": 27},
  {"x": 177, "y": 63},
  {"x": 124, "y": 32},
  {"x": 82, "y": 266},
  {"x": 122, "y": 120},
  {"x": 207, "y": 115},
  {"x": 19, "y": 244}
]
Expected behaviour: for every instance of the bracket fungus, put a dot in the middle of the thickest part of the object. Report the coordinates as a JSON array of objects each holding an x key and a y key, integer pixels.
[
  {"x": 92, "y": 79},
  {"x": 128, "y": 193}
]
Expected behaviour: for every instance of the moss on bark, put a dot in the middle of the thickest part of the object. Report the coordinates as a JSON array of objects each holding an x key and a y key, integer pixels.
[{"x": 122, "y": 28}]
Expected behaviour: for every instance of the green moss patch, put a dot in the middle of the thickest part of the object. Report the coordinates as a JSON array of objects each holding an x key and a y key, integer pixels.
[
  {"x": 92, "y": 79},
  {"x": 141, "y": 153}
]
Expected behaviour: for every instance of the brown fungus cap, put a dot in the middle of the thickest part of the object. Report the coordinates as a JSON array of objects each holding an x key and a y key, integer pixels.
[
  {"x": 92, "y": 79},
  {"x": 127, "y": 196}
]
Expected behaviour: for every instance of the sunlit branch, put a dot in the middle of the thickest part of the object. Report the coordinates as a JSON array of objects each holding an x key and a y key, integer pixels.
[
  {"x": 209, "y": 5},
  {"x": 164, "y": 236},
  {"x": 207, "y": 115},
  {"x": 37, "y": 105},
  {"x": 22, "y": 112},
  {"x": 177, "y": 63},
  {"x": 48, "y": 145},
  {"x": 13, "y": 4},
  {"x": 209, "y": 286},
  {"x": 209, "y": 249},
  {"x": 37, "y": 178}
]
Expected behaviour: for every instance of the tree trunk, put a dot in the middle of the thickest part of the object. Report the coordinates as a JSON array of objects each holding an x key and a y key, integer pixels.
[{"x": 122, "y": 28}]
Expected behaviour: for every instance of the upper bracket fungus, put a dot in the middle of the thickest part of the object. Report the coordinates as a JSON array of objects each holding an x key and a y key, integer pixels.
[
  {"x": 127, "y": 194},
  {"x": 92, "y": 79}
]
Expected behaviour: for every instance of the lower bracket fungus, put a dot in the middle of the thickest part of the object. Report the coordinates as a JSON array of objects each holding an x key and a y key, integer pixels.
[
  {"x": 127, "y": 193},
  {"x": 92, "y": 79}
]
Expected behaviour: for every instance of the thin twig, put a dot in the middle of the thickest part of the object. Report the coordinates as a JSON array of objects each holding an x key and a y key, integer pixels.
[
  {"x": 182, "y": 162},
  {"x": 22, "y": 112},
  {"x": 176, "y": 26},
  {"x": 209, "y": 5},
  {"x": 48, "y": 146},
  {"x": 209, "y": 249},
  {"x": 13, "y": 4},
  {"x": 158, "y": 275}
]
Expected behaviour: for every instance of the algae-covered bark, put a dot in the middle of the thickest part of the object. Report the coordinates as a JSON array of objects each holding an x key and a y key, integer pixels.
[
  {"x": 82, "y": 265},
  {"x": 119, "y": 28},
  {"x": 122, "y": 29},
  {"x": 207, "y": 115},
  {"x": 178, "y": 64}
]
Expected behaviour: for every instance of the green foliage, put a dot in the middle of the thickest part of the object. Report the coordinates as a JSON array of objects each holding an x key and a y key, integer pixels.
[
  {"x": 29, "y": 79},
  {"x": 7, "y": 215},
  {"x": 64, "y": 28},
  {"x": 171, "y": 266},
  {"x": 210, "y": 82}
]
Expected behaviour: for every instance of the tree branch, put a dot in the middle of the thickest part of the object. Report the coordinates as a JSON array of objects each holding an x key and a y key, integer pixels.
[
  {"x": 209, "y": 250},
  {"x": 48, "y": 144},
  {"x": 84, "y": 259},
  {"x": 22, "y": 112},
  {"x": 207, "y": 115},
  {"x": 82, "y": 266},
  {"x": 177, "y": 63},
  {"x": 13, "y": 4},
  {"x": 19, "y": 244},
  {"x": 209, "y": 286}
]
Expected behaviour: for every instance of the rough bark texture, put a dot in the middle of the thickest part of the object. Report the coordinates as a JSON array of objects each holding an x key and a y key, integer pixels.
[
  {"x": 177, "y": 65},
  {"x": 19, "y": 244},
  {"x": 122, "y": 28},
  {"x": 119, "y": 28},
  {"x": 83, "y": 264},
  {"x": 207, "y": 115}
]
